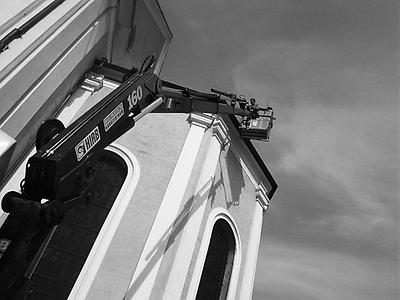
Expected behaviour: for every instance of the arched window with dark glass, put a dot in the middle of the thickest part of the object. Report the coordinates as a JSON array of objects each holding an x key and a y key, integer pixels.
[
  {"x": 66, "y": 253},
  {"x": 217, "y": 270}
]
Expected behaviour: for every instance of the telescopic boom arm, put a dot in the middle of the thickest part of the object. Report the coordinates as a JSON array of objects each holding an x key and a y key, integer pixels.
[{"x": 59, "y": 175}]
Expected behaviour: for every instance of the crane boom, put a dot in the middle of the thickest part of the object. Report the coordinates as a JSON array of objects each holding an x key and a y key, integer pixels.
[{"x": 62, "y": 169}]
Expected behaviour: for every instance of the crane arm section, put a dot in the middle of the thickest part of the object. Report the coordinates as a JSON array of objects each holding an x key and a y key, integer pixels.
[{"x": 59, "y": 174}]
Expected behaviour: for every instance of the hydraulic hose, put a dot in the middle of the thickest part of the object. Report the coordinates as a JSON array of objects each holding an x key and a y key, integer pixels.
[{"x": 18, "y": 32}]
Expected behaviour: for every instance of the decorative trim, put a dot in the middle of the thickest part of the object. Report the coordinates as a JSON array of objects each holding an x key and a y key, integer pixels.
[
  {"x": 214, "y": 216},
  {"x": 220, "y": 131},
  {"x": 202, "y": 120},
  {"x": 35, "y": 96},
  {"x": 7, "y": 146},
  {"x": 262, "y": 197},
  {"x": 249, "y": 270}
]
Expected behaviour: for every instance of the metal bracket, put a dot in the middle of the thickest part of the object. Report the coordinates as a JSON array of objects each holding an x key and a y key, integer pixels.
[{"x": 92, "y": 82}]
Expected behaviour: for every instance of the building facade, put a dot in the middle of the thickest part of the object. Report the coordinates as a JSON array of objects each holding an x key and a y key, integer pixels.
[{"x": 179, "y": 199}]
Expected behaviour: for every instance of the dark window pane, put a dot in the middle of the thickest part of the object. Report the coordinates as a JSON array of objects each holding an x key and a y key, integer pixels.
[
  {"x": 70, "y": 245},
  {"x": 214, "y": 282}
]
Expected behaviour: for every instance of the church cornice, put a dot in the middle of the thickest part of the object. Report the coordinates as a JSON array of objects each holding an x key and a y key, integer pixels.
[
  {"x": 220, "y": 131},
  {"x": 202, "y": 120},
  {"x": 262, "y": 197}
]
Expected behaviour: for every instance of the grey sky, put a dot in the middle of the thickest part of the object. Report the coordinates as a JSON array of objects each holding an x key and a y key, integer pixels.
[{"x": 330, "y": 70}]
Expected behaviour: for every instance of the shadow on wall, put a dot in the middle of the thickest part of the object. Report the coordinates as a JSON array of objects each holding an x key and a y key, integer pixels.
[
  {"x": 232, "y": 181},
  {"x": 233, "y": 171},
  {"x": 171, "y": 233}
]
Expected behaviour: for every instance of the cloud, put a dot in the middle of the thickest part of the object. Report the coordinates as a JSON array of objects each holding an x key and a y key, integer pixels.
[
  {"x": 332, "y": 120},
  {"x": 330, "y": 70},
  {"x": 334, "y": 150},
  {"x": 286, "y": 271}
]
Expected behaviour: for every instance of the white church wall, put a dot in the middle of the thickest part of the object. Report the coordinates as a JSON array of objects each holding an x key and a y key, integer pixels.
[{"x": 156, "y": 141}]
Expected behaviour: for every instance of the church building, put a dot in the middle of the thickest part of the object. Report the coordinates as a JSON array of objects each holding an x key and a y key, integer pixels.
[{"x": 179, "y": 199}]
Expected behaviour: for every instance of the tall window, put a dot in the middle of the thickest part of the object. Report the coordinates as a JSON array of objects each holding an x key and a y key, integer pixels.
[
  {"x": 216, "y": 275},
  {"x": 73, "y": 239}
]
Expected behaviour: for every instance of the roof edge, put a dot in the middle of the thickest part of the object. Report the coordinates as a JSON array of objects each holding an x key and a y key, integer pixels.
[{"x": 257, "y": 157}]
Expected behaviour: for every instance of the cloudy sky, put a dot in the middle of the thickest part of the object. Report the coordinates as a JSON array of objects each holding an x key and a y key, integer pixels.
[{"x": 330, "y": 70}]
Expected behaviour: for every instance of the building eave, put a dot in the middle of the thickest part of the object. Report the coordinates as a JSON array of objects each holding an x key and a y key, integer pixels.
[{"x": 259, "y": 160}]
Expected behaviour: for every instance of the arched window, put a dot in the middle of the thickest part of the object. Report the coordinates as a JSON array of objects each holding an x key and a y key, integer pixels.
[
  {"x": 73, "y": 239},
  {"x": 217, "y": 270}
]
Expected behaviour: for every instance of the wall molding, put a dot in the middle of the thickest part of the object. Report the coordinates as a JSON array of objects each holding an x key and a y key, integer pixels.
[
  {"x": 220, "y": 131},
  {"x": 202, "y": 120},
  {"x": 249, "y": 270},
  {"x": 262, "y": 197}
]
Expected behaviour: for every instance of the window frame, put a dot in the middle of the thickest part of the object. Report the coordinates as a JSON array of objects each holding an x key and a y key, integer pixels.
[
  {"x": 100, "y": 247},
  {"x": 215, "y": 215}
]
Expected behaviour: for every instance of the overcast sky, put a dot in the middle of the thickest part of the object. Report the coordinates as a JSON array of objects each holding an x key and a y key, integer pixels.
[{"x": 330, "y": 71}]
